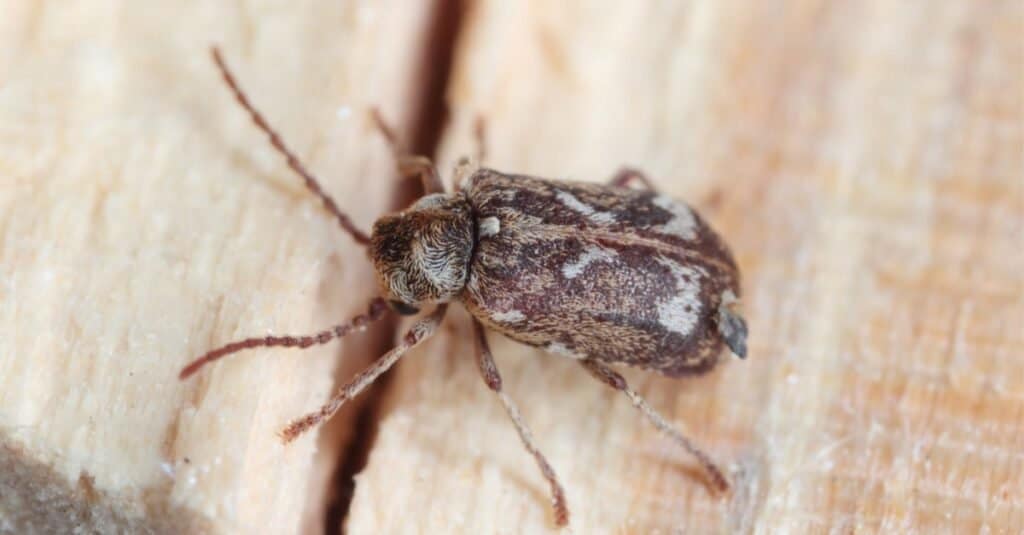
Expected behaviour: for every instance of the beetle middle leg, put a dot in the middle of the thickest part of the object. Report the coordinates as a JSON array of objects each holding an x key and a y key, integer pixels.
[
  {"x": 613, "y": 379},
  {"x": 408, "y": 164},
  {"x": 489, "y": 371},
  {"x": 420, "y": 331},
  {"x": 627, "y": 175}
]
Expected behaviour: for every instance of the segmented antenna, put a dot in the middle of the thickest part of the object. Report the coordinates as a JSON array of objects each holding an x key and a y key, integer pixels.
[
  {"x": 376, "y": 310},
  {"x": 293, "y": 162}
]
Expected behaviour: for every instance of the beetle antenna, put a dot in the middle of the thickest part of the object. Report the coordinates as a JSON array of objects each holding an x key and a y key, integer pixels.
[
  {"x": 375, "y": 312},
  {"x": 311, "y": 182}
]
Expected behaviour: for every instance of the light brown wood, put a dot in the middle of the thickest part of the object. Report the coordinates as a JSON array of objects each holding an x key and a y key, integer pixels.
[
  {"x": 864, "y": 160},
  {"x": 143, "y": 220}
]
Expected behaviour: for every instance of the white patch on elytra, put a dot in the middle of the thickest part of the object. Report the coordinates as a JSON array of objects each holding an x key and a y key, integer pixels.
[
  {"x": 683, "y": 223},
  {"x": 489, "y": 226},
  {"x": 509, "y": 316},
  {"x": 591, "y": 254},
  {"x": 561, "y": 350},
  {"x": 679, "y": 313},
  {"x": 577, "y": 205}
]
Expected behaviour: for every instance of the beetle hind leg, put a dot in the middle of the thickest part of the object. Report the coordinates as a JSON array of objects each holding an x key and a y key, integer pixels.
[{"x": 613, "y": 379}]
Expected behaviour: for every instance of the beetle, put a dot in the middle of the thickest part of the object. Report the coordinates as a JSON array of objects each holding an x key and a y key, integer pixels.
[{"x": 604, "y": 274}]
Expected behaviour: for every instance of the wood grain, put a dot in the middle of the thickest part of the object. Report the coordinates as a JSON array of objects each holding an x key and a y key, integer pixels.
[
  {"x": 143, "y": 219},
  {"x": 864, "y": 161}
]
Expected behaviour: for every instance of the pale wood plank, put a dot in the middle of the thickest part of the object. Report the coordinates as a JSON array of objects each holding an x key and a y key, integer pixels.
[
  {"x": 864, "y": 160},
  {"x": 144, "y": 220}
]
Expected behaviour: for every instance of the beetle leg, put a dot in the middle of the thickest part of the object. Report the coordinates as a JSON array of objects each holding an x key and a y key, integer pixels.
[
  {"x": 463, "y": 166},
  {"x": 480, "y": 136},
  {"x": 460, "y": 172},
  {"x": 491, "y": 376},
  {"x": 422, "y": 167},
  {"x": 612, "y": 378},
  {"x": 626, "y": 175},
  {"x": 420, "y": 331},
  {"x": 409, "y": 165}
]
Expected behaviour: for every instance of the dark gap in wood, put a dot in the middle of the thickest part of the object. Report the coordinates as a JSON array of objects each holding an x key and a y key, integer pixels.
[
  {"x": 358, "y": 451},
  {"x": 435, "y": 71},
  {"x": 431, "y": 115}
]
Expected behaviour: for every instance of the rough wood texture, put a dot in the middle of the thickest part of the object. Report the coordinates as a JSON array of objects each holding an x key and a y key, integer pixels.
[
  {"x": 864, "y": 160},
  {"x": 143, "y": 219}
]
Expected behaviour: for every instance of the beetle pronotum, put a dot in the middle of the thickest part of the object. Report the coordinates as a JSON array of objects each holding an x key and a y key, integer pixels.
[{"x": 601, "y": 274}]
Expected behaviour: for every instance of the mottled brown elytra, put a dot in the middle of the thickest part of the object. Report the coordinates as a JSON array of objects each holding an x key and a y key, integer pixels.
[{"x": 604, "y": 274}]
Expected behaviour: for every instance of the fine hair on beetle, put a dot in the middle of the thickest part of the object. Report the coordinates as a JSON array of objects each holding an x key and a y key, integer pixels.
[{"x": 602, "y": 274}]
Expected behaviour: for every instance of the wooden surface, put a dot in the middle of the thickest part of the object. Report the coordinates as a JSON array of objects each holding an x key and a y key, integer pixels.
[
  {"x": 143, "y": 219},
  {"x": 864, "y": 160}
]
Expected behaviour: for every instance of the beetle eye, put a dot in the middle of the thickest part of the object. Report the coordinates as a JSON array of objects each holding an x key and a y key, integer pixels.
[{"x": 404, "y": 309}]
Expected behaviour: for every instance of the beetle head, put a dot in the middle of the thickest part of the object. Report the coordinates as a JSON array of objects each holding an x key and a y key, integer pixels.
[{"x": 422, "y": 255}]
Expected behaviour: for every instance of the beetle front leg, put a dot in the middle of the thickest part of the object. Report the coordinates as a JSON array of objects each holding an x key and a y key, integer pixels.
[
  {"x": 612, "y": 378},
  {"x": 408, "y": 164},
  {"x": 489, "y": 372},
  {"x": 626, "y": 175},
  {"x": 480, "y": 137},
  {"x": 464, "y": 166},
  {"x": 420, "y": 331}
]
